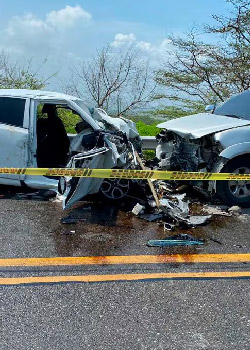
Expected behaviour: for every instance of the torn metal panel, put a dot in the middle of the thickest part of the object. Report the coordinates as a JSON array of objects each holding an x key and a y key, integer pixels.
[
  {"x": 116, "y": 124},
  {"x": 75, "y": 189},
  {"x": 152, "y": 217},
  {"x": 117, "y": 151},
  {"x": 178, "y": 208},
  {"x": 138, "y": 209},
  {"x": 186, "y": 154}
]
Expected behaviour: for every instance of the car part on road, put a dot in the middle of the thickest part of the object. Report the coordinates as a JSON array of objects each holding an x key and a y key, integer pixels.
[
  {"x": 168, "y": 226},
  {"x": 70, "y": 220},
  {"x": 138, "y": 209},
  {"x": 215, "y": 210},
  {"x": 174, "y": 210},
  {"x": 235, "y": 210},
  {"x": 182, "y": 239},
  {"x": 152, "y": 217}
]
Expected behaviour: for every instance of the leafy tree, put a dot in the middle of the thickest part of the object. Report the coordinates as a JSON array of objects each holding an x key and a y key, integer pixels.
[
  {"x": 199, "y": 73},
  {"x": 16, "y": 76}
]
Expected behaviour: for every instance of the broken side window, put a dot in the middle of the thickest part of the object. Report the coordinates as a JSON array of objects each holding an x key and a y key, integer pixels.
[
  {"x": 54, "y": 144},
  {"x": 52, "y": 139}
]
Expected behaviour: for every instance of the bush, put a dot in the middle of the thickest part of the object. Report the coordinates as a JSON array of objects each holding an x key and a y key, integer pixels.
[{"x": 148, "y": 154}]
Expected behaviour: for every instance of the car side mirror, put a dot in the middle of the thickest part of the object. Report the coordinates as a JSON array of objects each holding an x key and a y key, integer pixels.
[{"x": 210, "y": 108}]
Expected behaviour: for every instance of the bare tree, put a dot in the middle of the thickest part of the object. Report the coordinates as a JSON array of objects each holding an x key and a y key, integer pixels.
[
  {"x": 115, "y": 81},
  {"x": 17, "y": 76},
  {"x": 199, "y": 73}
]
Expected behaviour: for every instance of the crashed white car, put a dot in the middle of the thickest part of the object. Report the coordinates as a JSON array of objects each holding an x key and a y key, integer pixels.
[
  {"x": 211, "y": 142},
  {"x": 33, "y": 134}
]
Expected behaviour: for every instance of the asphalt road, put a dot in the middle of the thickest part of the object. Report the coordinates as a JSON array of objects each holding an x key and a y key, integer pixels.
[{"x": 176, "y": 313}]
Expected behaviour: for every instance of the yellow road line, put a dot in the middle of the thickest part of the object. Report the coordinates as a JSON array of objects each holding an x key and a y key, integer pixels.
[
  {"x": 127, "y": 259},
  {"x": 123, "y": 277}
]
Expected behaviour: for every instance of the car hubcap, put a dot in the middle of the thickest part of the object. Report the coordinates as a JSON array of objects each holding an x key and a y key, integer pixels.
[
  {"x": 115, "y": 188},
  {"x": 240, "y": 189}
]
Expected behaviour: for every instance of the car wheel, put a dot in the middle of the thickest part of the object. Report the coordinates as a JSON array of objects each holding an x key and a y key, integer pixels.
[
  {"x": 114, "y": 189},
  {"x": 235, "y": 192}
]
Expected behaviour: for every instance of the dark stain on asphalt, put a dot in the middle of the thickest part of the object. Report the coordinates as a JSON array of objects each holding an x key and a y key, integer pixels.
[
  {"x": 106, "y": 230},
  {"x": 110, "y": 230},
  {"x": 102, "y": 229}
]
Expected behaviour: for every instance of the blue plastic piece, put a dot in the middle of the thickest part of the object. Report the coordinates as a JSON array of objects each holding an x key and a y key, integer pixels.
[{"x": 175, "y": 241}]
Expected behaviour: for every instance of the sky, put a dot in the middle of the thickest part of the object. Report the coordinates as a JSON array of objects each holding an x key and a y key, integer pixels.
[{"x": 64, "y": 32}]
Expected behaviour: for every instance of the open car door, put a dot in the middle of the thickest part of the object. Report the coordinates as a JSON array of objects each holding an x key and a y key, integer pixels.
[{"x": 14, "y": 137}]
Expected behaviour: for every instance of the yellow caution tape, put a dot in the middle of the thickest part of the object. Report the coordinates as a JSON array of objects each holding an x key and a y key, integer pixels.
[{"x": 125, "y": 174}]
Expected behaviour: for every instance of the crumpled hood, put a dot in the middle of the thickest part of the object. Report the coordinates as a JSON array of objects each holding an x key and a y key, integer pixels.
[
  {"x": 197, "y": 125},
  {"x": 120, "y": 124}
]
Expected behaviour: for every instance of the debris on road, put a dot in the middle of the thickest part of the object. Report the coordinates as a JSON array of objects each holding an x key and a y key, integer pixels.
[
  {"x": 215, "y": 240},
  {"x": 173, "y": 210},
  {"x": 69, "y": 220},
  {"x": 169, "y": 227},
  {"x": 235, "y": 210},
  {"x": 215, "y": 210},
  {"x": 166, "y": 204},
  {"x": 138, "y": 209},
  {"x": 68, "y": 233},
  {"x": 152, "y": 217},
  {"x": 182, "y": 239}
]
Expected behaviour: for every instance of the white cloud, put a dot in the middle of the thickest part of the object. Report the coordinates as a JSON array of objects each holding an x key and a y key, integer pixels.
[
  {"x": 31, "y": 34},
  {"x": 26, "y": 32},
  {"x": 27, "y": 23},
  {"x": 67, "y": 17},
  {"x": 63, "y": 36},
  {"x": 123, "y": 39},
  {"x": 145, "y": 46}
]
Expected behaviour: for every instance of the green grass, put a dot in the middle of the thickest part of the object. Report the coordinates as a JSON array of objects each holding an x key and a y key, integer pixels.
[{"x": 147, "y": 130}]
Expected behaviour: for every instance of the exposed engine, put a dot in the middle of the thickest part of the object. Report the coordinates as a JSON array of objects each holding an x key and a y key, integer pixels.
[{"x": 177, "y": 153}]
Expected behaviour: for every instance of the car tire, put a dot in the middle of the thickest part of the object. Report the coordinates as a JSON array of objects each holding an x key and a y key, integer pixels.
[
  {"x": 235, "y": 192},
  {"x": 114, "y": 189}
]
